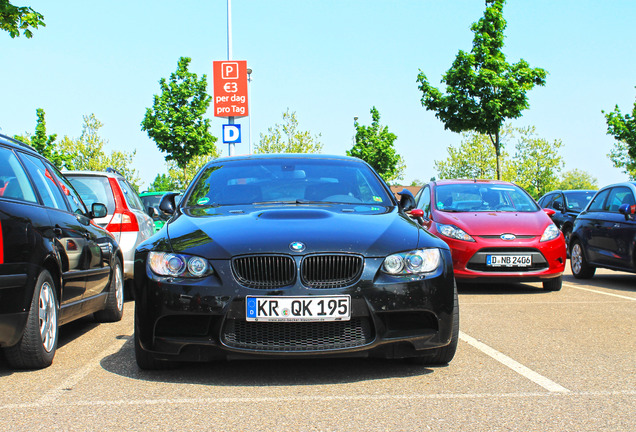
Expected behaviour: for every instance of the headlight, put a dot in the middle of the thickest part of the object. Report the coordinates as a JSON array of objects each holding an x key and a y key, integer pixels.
[
  {"x": 416, "y": 261},
  {"x": 178, "y": 265},
  {"x": 550, "y": 233},
  {"x": 453, "y": 232}
]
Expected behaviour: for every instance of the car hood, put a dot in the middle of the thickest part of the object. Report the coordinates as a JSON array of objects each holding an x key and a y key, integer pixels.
[
  {"x": 496, "y": 223},
  {"x": 223, "y": 232}
]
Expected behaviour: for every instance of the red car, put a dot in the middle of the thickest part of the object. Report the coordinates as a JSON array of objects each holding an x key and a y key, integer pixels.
[{"x": 496, "y": 231}]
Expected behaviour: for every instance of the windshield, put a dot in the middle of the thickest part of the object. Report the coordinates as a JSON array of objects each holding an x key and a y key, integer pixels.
[
  {"x": 482, "y": 197},
  {"x": 287, "y": 180},
  {"x": 578, "y": 200}
]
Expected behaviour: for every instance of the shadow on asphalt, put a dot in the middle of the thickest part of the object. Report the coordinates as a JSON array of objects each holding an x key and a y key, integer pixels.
[
  {"x": 264, "y": 373},
  {"x": 617, "y": 281},
  {"x": 499, "y": 288}
]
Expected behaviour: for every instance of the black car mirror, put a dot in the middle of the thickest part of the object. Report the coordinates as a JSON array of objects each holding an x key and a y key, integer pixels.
[
  {"x": 558, "y": 206},
  {"x": 153, "y": 212},
  {"x": 98, "y": 210},
  {"x": 627, "y": 210},
  {"x": 167, "y": 204},
  {"x": 407, "y": 200}
]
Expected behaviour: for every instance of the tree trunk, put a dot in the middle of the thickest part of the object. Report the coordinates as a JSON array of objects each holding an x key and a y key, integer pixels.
[{"x": 498, "y": 154}]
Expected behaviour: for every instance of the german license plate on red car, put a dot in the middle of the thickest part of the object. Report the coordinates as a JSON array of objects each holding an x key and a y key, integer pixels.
[
  {"x": 509, "y": 260},
  {"x": 327, "y": 308}
]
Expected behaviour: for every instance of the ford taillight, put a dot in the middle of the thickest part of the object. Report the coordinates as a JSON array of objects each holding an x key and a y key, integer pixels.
[{"x": 125, "y": 221}]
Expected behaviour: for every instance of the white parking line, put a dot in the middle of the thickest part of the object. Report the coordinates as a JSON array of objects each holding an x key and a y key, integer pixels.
[
  {"x": 599, "y": 292},
  {"x": 514, "y": 365}
]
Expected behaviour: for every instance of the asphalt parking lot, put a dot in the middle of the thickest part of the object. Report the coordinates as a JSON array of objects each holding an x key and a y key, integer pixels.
[{"x": 528, "y": 360}]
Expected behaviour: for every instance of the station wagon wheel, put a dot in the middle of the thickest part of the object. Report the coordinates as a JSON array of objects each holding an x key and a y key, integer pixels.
[
  {"x": 37, "y": 346},
  {"x": 114, "y": 308},
  {"x": 579, "y": 265}
]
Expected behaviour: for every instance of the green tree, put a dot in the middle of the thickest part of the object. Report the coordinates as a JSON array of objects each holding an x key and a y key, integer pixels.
[
  {"x": 577, "y": 179},
  {"x": 162, "y": 182},
  {"x": 483, "y": 89},
  {"x": 19, "y": 18},
  {"x": 175, "y": 122},
  {"x": 286, "y": 138},
  {"x": 43, "y": 144},
  {"x": 623, "y": 129},
  {"x": 537, "y": 162},
  {"x": 475, "y": 158},
  {"x": 375, "y": 145},
  {"x": 87, "y": 153}
]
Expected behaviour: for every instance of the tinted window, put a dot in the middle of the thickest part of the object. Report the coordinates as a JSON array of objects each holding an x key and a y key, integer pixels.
[
  {"x": 288, "y": 180},
  {"x": 617, "y": 197},
  {"x": 14, "y": 182},
  {"x": 578, "y": 200},
  {"x": 45, "y": 182},
  {"x": 132, "y": 199},
  {"x": 545, "y": 201},
  {"x": 483, "y": 197},
  {"x": 94, "y": 189},
  {"x": 597, "y": 203}
]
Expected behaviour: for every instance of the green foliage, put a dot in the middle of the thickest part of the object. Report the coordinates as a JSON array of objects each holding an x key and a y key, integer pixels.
[
  {"x": 577, "y": 179},
  {"x": 374, "y": 145},
  {"x": 537, "y": 162},
  {"x": 483, "y": 89},
  {"x": 182, "y": 177},
  {"x": 43, "y": 144},
  {"x": 87, "y": 153},
  {"x": 15, "y": 19},
  {"x": 286, "y": 138},
  {"x": 175, "y": 122},
  {"x": 162, "y": 182},
  {"x": 475, "y": 158},
  {"x": 623, "y": 129}
]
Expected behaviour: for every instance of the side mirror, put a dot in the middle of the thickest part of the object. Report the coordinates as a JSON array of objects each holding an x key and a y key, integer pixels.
[
  {"x": 558, "y": 206},
  {"x": 167, "y": 204},
  {"x": 627, "y": 210},
  {"x": 407, "y": 200},
  {"x": 549, "y": 212},
  {"x": 153, "y": 212},
  {"x": 98, "y": 210}
]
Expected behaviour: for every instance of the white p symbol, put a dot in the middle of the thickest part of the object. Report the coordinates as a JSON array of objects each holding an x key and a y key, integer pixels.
[{"x": 229, "y": 70}]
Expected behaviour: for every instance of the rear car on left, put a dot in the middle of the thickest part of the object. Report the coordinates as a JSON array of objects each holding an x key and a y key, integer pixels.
[{"x": 56, "y": 264}]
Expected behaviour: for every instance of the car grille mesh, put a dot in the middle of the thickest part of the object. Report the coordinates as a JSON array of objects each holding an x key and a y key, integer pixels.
[
  {"x": 317, "y": 271},
  {"x": 264, "y": 271},
  {"x": 297, "y": 336},
  {"x": 331, "y": 271}
]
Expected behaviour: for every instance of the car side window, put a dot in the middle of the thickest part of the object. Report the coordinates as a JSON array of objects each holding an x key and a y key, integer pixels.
[
  {"x": 44, "y": 182},
  {"x": 557, "y": 199},
  {"x": 545, "y": 201},
  {"x": 599, "y": 200},
  {"x": 74, "y": 200},
  {"x": 617, "y": 197},
  {"x": 424, "y": 202},
  {"x": 131, "y": 197}
]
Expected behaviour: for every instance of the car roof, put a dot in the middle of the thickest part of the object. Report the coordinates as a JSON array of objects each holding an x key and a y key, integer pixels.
[
  {"x": 93, "y": 173},
  {"x": 470, "y": 181},
  {"x": 12, "y": 142},
  {"x": 286, "y": 156}
]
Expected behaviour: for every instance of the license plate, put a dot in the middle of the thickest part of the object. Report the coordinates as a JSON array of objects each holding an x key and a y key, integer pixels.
[
  {"x": 328, "y": 308},
  {"x": 509, "y": 260}
]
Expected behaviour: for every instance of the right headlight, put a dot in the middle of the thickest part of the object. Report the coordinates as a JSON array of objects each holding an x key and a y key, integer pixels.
[
  {"x": 453, "y": 232},
  {"x": 412, "y": 262}
]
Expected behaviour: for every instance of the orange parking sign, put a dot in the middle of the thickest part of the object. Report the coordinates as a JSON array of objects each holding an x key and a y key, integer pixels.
[{"x": 230, "y": 88}]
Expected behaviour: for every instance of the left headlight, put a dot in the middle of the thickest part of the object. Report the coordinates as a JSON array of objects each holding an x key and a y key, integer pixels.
[
  {"x": 550, "y": 233},
  {"x": 415, "y": 261},
  {"x": 178, "y": 265}
]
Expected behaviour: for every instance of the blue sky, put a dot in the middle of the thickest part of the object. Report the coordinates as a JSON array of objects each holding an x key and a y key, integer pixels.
[{"x": 329, "y": 61}]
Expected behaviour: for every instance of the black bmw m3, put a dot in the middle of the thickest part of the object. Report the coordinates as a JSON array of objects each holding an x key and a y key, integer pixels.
[{"x": 292, "y": 256}]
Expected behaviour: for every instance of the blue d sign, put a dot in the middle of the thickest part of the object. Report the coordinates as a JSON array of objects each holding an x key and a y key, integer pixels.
[{"x": 231, "y": 133}]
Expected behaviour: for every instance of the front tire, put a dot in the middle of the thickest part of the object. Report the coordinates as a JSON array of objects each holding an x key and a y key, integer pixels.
[
  {"x": 581, "y": 269},
  {"x": 443, "y": 355},
  {"x": 38, "y": 344},
  {"x": 114, "y": 308}
]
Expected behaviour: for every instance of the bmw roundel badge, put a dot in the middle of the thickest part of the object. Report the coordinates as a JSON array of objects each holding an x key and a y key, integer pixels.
[
  {"x": 297, "y": 246},
  {"x": 508, "y": 236}
]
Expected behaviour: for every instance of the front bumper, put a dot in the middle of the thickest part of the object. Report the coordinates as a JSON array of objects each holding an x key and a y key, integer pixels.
[{"x": 391, "y": 317}]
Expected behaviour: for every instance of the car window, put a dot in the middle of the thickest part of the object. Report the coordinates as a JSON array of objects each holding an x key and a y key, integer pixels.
[
  {"x": 558, "y": 199},
  {"x": 93, "y": 189},
  {"x": 577, "y": 200},
  {"x": 468, "y": 197},
  {"x": 44, "y": 182},
  {"x": 151, "y": 200},
  {"x": 73, "y": 198},
  {"x": 598, "y": 201},
  {"x": 617, "y": 197},
  {"x": 288, "y": 180},
  {"x": 14, "y": 181},
  {"x": 545, "y": 200},
  {"x": 424, "y": 201},
  {"x": 131, "y": 197}
]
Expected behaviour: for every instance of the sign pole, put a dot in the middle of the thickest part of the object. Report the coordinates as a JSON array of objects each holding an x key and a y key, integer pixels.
[{"x": 230, "y": 119}]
